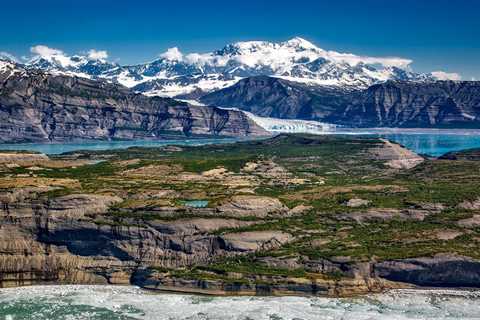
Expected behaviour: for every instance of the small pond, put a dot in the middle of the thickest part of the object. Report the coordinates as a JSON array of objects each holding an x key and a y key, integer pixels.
[{"x": 195, "y": 203}]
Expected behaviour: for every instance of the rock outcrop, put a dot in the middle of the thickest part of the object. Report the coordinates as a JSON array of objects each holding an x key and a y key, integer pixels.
[
  {"x": 454, "y": 104},
  {"x": 252, "y": 206},
  {"x": 37, "y": 106},
  {"x": 441, "y": 270},
  {"x": 236, "y": 220},
  {"x": 396, "y": 156},
  {"x": 256, "y": 240},
  {"x": 278, "y": 98}
]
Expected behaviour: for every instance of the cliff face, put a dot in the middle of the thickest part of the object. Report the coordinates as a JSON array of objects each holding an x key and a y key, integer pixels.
[
  {"x": 279, "y": 98},
  {"x": 391, "y": 104},
  {"x": 35, "y": 106},
  {"x": 62, "y": 241},
  {"x": 295, "y": 214},
  {"x": 407, "y": 104}
]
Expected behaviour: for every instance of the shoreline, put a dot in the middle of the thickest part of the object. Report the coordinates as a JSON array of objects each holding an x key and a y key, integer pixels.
[
  {"x": 449, "y": 291},
  {"x": 430, "y": 142}
]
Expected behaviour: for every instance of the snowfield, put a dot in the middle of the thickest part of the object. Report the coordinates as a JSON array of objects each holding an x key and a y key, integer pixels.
[{"x": 175, "y": 73}]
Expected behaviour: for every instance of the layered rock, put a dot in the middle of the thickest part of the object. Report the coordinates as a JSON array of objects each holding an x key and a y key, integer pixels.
[
  {"x": 452, "y": 104},
  {"x": 36, "y": 106},
  {"x": 441, "y": 270},
  {"x": 278, "y": 98},
  {"x": 412, "y": 104}
]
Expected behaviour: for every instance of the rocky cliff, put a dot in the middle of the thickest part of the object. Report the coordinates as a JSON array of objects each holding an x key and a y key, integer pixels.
[
  {"x": 407, "y": 104},
  {"x": 315, "y": 215},
  {"x": 278, "y": 98},
  {"x": 37, "y": 106},
  {"x": 452, "y": 104}
]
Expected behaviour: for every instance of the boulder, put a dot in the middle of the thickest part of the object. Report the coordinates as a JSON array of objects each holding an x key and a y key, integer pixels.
[
  {"x": 470, "y": 205},
  {"x": 357, "y": 202},
  {"x": 80, "y": 205},
  {"x": 256, "y": 240},
  {"x": 252, "y": 206},
  {"x": 472, "y": 222}
]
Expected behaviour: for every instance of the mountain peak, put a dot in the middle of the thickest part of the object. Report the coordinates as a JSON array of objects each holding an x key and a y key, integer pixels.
[
  {"x": 300, "y": 43},
  {"x": 4, "y": 64},
  {"x": 176, "y": 73}
]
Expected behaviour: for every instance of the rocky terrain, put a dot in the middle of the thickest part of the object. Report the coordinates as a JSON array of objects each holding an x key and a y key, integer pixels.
[
  {"x": 278, "y": 98},
  {"x": 441, "y": 104},
  {"x": 39, "y": 106},
  {"x": 176, "y": 74},
  {"x": 294, "y": 214},
  {"x": 407, "y": 104}
]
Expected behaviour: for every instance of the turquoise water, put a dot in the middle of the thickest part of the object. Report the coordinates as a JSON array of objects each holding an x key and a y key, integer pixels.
[
  {"x": 435, "y": 144},
  {"x": 114, "y": 302},
  {"x": 195, "y": 203},
  {"x": 432, "y": 142},
  {"x": 57, "y": 148},
  {"x": 424, "y": 141}
]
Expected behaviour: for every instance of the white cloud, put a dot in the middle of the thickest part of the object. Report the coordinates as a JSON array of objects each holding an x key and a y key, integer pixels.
[
  {"x": 353, "y": 59},
  {"x": 46, "y": 52},
  {"x": 172, "y": 54},
  {"x": 442, "y": 75},
  {"x": 52, "y": 55},
  {"x": 97, "y": 54}
]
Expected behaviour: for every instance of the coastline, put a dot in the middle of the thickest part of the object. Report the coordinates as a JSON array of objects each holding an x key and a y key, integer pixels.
[{"x": 407, "y": 289}]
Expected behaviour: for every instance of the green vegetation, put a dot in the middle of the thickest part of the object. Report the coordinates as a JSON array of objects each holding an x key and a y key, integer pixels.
[{"x": 154, "y": 182}]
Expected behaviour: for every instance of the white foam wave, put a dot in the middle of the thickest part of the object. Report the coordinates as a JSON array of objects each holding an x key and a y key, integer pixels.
[{"x": 92, "y": 302}]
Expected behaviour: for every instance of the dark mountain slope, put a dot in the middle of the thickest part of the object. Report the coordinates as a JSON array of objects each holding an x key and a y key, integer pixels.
[
  {"x": 37, "y": 106},
  {"x": 409, "y": 104},
  {"x": 391, "y": 104},
  {"x": 279, "y": 98}
]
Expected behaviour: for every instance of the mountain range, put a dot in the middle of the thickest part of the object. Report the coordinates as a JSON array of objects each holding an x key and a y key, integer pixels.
[
  {"x": 394, "y": 103},
  {"x": 240, "y": 90},
  {"x": 177, "y": 74},
  {"x": 40, "y": 106}
]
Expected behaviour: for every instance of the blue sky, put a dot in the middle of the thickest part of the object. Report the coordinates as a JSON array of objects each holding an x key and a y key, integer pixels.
[{"x": 435, "y": 34}]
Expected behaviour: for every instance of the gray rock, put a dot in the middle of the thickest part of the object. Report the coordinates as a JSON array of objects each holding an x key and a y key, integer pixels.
[
  {"x": 36, "y": 106},
  {"x": 254, "y": 206},
  {"x": 357, "y": 202},
  {"x": 440, "y": 270},
  {"x": 389, "y": 104},
  {"x": 470, "y": 205},
  {"x": 256, "y": 240},
  {"x": 470, "y": 222}
]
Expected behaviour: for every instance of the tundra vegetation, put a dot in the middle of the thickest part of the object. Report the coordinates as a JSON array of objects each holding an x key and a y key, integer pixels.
[{"x": 293, "y": 214}]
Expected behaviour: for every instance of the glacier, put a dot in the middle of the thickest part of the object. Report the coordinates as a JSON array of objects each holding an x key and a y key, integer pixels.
[{"x": 276, "y": 125}]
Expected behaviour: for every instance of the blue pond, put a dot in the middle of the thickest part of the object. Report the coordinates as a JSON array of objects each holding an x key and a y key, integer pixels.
[
  {"x": 424, "y": 141},
  {"x": 195, "y": 203}
]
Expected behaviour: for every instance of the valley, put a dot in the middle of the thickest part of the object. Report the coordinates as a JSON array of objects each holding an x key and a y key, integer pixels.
[{"x": 293, "y": 214}]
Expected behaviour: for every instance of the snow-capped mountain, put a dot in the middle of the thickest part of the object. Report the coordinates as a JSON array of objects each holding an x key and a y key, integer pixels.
[
  {"x": 176, "y": 74},
  {"x": 9, "y": 68}
]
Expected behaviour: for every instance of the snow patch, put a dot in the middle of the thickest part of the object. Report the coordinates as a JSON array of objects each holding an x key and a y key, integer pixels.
[{"x": 296, "y": 60}]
